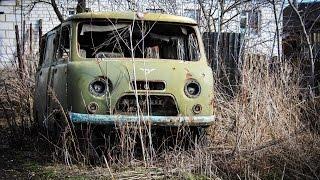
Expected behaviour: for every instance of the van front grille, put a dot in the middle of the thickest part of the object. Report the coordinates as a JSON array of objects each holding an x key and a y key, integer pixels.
[
  {"x": 158, "y": 105},
  {"x": 149, "y": 85}
]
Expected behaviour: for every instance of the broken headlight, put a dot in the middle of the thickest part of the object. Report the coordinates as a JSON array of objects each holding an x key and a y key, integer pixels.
[
  {"x": 100, "y": 87},
  {"x": 192, "y": 88}
]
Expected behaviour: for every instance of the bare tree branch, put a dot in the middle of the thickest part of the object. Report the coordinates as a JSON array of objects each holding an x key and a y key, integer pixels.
[
  {"x": 57, "y": 11},
  {"x": 205, "y": 15},
  {"x": 81, "y": 6},
  {"x": 307, "y": 39}
]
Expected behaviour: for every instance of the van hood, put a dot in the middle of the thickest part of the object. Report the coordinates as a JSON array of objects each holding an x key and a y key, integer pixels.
[
  {"x": 174, "y": 73},
  {"x": 129, "y": 70}
]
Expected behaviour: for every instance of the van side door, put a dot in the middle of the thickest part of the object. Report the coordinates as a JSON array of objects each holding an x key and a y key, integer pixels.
[
  {"x": 59, "y": 69},
  {"x": 42, "y": 77}
]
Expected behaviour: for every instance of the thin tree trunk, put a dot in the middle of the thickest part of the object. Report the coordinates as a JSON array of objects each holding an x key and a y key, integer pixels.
[
  {"x": 307, "y": 39},
  {"x": 40, "y": 32},
  {"x": 56, "y": 10},
  {"x": 81, "y": 6},
  {"x": 30, "y": 38},
  {"x": 132, "y": 5},
  {"x": 20, "y": 59},
  {"x": 277, "y": 29},
  {"x": 200, "y": 2},
  {"x": 23, "y": 37}
]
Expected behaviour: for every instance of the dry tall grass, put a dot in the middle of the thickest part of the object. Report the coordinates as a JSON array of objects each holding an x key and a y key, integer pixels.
[
  {"x": 266, "y": 106},
  {"x": 262, "y": 129},
  {"x": 265, "y": 129}
]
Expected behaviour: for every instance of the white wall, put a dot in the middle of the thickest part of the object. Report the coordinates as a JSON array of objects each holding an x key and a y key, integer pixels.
[
  {"x": 31, "y": 13},
  {"x": 262, "y": 43}
]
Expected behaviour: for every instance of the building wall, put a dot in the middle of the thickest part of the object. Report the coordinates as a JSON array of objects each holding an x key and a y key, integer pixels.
[
  {"x": 17, "y": 11},
  {"x": 263, "y": 42}
]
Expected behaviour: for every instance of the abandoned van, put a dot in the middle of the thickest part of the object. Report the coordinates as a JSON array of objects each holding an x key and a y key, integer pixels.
[{"x": 108, "y": 68}]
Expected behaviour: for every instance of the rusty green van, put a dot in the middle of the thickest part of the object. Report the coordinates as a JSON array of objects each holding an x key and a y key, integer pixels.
[{"x": 118, "y": 67}]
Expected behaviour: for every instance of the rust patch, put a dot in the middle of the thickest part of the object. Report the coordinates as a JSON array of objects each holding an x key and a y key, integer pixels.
[
  {"x": 212, "y": 103},
  {"x": 188, "y": 74}
]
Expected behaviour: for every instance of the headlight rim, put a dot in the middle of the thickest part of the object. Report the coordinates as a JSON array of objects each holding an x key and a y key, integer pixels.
[
  {"x": 186, "y": 92},
  {"x": 107, "y": 86}
]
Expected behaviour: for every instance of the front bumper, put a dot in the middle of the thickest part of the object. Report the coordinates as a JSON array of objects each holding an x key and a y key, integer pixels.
[{"x": 154, "y": 120}]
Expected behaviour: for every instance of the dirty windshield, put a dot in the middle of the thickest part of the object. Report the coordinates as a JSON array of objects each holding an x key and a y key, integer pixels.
[{"x": 152, "y": 40}]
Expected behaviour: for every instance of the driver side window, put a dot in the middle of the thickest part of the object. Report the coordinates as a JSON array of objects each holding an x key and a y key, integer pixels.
[
  {"x": 63, "y": 50},
  {"x": 49, "y": 51}
]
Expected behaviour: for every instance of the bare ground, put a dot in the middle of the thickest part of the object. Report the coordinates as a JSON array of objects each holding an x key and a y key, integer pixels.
[{"x": 30, "y": 158}]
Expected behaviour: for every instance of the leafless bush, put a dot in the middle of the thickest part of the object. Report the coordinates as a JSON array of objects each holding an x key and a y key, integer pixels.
[
  {"x": 265, "y": 107},
  {"x": 16, "y": 100},
  {"x": 266, "y": 128},
  {"x": 264, "y": 120},
  {"x": 263, "y": 130}
]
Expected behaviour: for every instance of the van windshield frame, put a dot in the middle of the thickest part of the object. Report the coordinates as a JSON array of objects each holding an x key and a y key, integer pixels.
[{"x": 106, "y": 39}]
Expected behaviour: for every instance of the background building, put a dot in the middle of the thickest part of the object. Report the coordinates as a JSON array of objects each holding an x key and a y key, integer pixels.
[{"x": 255, "y": 19}]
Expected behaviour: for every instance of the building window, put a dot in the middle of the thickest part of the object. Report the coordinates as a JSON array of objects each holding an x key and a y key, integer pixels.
[
  {"x": 250, "y": 21},
  {"x": 192, "y": 13},
  {"x": 9, "y": 3},
  {"x": 71, "y": 11},
  {"x": 189, "y": 1},
  {"x": 167, "y": 2},
  {"x": 155, "y": 10}
]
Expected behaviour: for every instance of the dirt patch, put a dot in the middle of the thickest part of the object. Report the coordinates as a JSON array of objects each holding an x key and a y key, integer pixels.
[
  {"x": 28, "y": 159},
  {"x": 20, "y": 159}
]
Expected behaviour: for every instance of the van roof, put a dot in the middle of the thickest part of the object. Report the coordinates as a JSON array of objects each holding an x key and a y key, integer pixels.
[{"x": 133, "y": 15}]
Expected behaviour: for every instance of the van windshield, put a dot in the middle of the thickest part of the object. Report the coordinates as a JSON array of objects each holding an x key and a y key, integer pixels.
[{"x": 153, "y": 40}]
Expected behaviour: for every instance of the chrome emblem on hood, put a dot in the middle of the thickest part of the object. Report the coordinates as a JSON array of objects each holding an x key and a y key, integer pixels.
[{"x": 146, "y": 70}]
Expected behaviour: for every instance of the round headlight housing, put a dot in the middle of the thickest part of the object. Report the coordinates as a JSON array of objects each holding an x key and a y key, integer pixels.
[
  {"x": 100, "y": 86},
  {"x": 192, "y": 88}
]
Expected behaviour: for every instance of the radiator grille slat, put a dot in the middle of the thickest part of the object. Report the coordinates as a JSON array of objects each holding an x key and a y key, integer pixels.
[
  {"x": 158, "y": 105},
  {"x": 149, "y": 85}
]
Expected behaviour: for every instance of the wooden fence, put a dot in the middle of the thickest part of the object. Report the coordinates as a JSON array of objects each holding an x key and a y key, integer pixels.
[{"x": 223, "y": 55}]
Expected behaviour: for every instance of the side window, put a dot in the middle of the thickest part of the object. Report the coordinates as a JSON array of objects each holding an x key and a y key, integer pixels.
[
  {"x": 63, "y": 50},
  {"x": 42, "y": 50},
  {"x": 194, "y": 54},
  {"x": 49, "y": 52}
]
